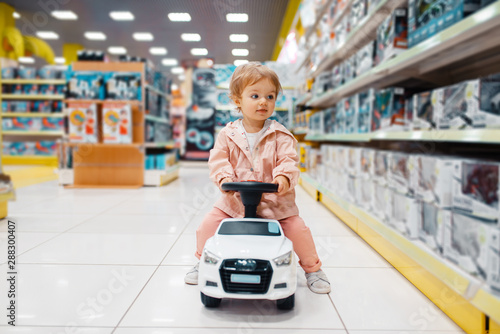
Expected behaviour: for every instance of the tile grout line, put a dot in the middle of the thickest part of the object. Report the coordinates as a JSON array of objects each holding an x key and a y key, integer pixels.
[
  {"x": 152, "y": 274},
  {"x": 338, "y": 313}
]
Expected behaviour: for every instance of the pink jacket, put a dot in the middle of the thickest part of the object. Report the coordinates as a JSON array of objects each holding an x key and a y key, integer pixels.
[{"x": 274, "y": 154}]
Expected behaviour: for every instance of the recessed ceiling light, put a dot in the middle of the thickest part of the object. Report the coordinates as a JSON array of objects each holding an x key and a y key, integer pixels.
[
  {"x": 169, "y": 61},
  {"x": 64, "y": 15},
  {"x": 237, "y": 17},
  {"x": 240, "y": 52},
  {"x": 157, "y": 51},
  {"x": 60, "y": 60},
  {"x": 117, "y": 50},
  {"x": 177, "y": 70},
  {"x": 143, "y": 36},
  {"x": 26, "y": 60},
  {"x": 179, "y": 17},
  {"x": 95, "y": 35},
  {"x": 191, "y": 37},
  {"x": 121, "y": 16},
  {"x": 181, "y": 77},
  {"x": 174, "y": 86},
  {"x": 16, "y": 15},
  {"x": 238, "y": 38},
  {"x": 239, "y": 62},
  {"x": 47, "y": 35},
  {"x": 199, "y": 52}
]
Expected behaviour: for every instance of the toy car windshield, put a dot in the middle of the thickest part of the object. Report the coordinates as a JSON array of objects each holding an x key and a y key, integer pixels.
[{"x": 250, "y": 228}]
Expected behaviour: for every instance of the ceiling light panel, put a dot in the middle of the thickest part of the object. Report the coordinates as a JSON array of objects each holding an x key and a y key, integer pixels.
[
  {"x": 122, "y": 16},
  {"x": 26, "y": 60},
  {"x": 199, "y": 52},
  {"x": 60, "y": 60},
  {"x": 16, "y": 15},
  {"x": 239, "y": 62},
  {"x": 64, "y": 15},
  {"x": 47, "y": 35},
  {"x": 143, "y": 36},
  {"x": 169, "y": 62},
  {"x": 95, "y": 35},
  {"x": 117, "y": 50},
  {"x": 240, "y": 52},
  {"x": 158, "y": 51},
  {"x": 238, "y": 38},
  {"x": 237, "y": 17},
  {"x": 177, "y": 70},
  {"x": 179, "y": 17},
  {"x": 191, "y": 37}
]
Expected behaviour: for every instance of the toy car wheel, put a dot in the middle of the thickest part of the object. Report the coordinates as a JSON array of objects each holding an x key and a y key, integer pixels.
[
  {"x": 286, "y": 303},
  {"x": 209, "y": 301}
]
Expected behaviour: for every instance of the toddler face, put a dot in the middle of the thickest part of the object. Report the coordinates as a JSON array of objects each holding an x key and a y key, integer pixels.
[{"x": 257, "y": 101}]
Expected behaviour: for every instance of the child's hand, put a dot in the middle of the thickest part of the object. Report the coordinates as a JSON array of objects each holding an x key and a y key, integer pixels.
[
  {"x": 283, "y": 184},
  {"x": 224, "y": 180}
]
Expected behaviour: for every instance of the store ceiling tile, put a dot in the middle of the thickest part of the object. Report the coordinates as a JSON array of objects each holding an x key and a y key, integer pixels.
[{"x": 208, "y": 18}]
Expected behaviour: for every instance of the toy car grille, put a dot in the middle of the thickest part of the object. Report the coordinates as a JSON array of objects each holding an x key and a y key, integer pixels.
[{"x": 259, "y": 268}]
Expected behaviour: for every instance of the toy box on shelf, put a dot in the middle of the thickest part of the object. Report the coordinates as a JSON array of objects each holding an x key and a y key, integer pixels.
[
  {"x": 389, "y": 110},
  {"x": 82, "y": 121},
  {"x": 392, "y": 35},
  {"x": 433, "y": 179},
  {"x": 403, "y": 214},
  {"x": 116, "y": 123},
  {"x": 426, "y": 108},
  {"x": 432, "y": 224}
]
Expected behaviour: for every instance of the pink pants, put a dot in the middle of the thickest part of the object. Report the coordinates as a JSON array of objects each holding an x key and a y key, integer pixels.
[{"x": 294, "y": 228}]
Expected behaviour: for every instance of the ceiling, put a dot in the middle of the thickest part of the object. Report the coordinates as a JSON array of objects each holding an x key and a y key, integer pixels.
[{"x": 208, "y": 18}]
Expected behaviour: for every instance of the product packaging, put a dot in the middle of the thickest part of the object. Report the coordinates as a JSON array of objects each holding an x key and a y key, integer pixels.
[
  {"x": 85, "y": 85},
  {"x": 389, "y": 110},
  {"x": 493, "y": 271},
  {"x": 400, "y": 172},
  {"x": 427, "y": 107},
  {"x": 380, "y": 166},
  {"x": 117, "y": 123},
  {"x": 409, "y": 105},
  {"x": 404, "y": 214},
  {"x": 46, "y": 148},
  {"x": 392, "y": 35},
  {"x": 18, "y": 148},
  {"x": 123, "y": 85},
  {"x": 466, "y": 243},
  {"x": 460, "y": 104},
  {"x": 381, "y": 197},
  {"x": 9, "y": 72},
  {"x": 52, "y": 124},
  {"x": 432, "y": 224},
  {"x": 434, "y": 180},
  {"x": 488, "y": 115},
  {"x": 82, "y": 121},
  {"x": 364, "y": 193},
  {"x": 26, "y": 73},
  {"x": 354, "y": 160},
  {"x": 475, "y": 187}
]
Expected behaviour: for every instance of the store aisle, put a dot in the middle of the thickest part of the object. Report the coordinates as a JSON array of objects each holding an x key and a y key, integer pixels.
[{"x": 103, "y": 261}]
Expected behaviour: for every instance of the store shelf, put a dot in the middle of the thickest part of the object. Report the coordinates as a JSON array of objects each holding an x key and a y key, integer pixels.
[
  {"x": 156, "y": 119},
  {"x": 33, "y": 133},
  {"x": 319, "y": 16},
  {"x": 443, "y": 59},
  {"x": 34, "y": 81},
  {"x": 132, "y": 102},
  {"x": 303, "y": 99},
  {"x": 33, "y": 114},
  {"x": 478, "y": 136},
  {"x": 355, "y": 137},
  {"x": 161, "y": 177},
  {"x": 168, "y": 145},
  {"x": 29, "y": 160},
  {"x": 365, "y": 32},
  {"x": 433, "y": 275},
  {"x": 300, "y": 131},
  {"x": 157, "y": 91},
  {"x": 32, "y": 97}
]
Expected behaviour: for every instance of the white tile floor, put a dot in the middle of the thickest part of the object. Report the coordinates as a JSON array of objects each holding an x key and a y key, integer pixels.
[{"x": 113, "y": 261}]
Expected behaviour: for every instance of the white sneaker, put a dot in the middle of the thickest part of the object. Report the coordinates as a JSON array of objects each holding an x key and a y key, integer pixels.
[
  {"x": 318, "y": 282},
  {"x": 192, "y": 275}
]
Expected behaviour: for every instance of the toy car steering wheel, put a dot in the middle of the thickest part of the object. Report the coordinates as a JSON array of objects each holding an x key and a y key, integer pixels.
[{"x": 251, "y": 193}]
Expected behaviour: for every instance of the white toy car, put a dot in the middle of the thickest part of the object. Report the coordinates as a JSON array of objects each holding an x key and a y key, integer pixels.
[{"x": 248, "y": 258}]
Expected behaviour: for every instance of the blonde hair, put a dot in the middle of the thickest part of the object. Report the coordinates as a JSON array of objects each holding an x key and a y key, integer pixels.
[{"x": 247, "y": 75}]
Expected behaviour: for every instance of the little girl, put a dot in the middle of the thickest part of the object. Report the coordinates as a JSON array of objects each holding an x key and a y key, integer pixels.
[{"x": 256, "y": 148}]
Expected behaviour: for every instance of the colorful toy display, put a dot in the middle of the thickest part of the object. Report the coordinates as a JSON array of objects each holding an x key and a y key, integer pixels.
[
  {"x": 117, "y": 123},
  {"x": 82, "y": 121}
]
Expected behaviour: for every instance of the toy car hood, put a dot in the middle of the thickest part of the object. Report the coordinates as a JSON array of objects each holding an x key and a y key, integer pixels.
[{"x": 245, "y": 246}]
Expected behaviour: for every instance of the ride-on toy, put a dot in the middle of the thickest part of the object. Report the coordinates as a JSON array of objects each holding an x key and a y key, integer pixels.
[{"x": 248, "y": 258}]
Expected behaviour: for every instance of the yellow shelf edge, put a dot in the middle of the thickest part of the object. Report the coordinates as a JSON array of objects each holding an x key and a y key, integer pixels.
[
  {"x": 33, "y": 133},
  {"x": 29, "y": 160},
  {"x": 32, "y": 114},
  {"x": 32, "y": 97}
]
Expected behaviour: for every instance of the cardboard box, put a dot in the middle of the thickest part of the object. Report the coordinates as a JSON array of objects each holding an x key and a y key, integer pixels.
[
  {"x": 340, "y": 119},
  {"x": 354, "y": 161},
  {"x": 392, "y": 35},
  {"x": 432, "y": 224},
  {"x": 427, "y": 107},
  {"x": 351, "y": 114},
  {"x": 488, "y": 115},
  {"x": 475, "y": 186},
  {"x": 123, "y": 85},
  {"x": 117, "y": 123},
  {"x": 364, "y": 193},
  {"x": 380, "y": 167},
  {"x": 466, "y": 243},
  {"x": 365, "y": 59},
  {"x": 85, "y": 85},
  {"x": 389, "y": 109},
  {"x": 82, "y": 121},
  {"x": 381, "y": 197},
  {"x": 493, "y": 269},
  {"x": 404, "y": 214},
  {"x": 365, "y": 110},
  {"x": 399, "y": 175},
  {"x": 409, "y": 105},
  {"x": 434, "y": 176},
  {"x": 460, "y": 104}
]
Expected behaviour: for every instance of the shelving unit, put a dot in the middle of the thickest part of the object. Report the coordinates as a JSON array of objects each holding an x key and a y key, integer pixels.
[
  {"x": 32, "y": 97},
  {"x": 33, "y": 114},
  {"x": 101, "y": 165},
  {"x": 442, "y": 59},
  {"x": 468, "y": 300}
]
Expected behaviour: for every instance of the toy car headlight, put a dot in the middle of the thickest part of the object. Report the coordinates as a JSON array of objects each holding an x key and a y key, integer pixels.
[
  {"x": 283, "y": 260},
  {"x": 210, "y": 258}
]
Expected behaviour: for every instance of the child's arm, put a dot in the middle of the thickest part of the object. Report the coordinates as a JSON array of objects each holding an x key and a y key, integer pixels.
[
  {"x": 221, "y": 170},
  {"x": 287, "y": 161}
]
